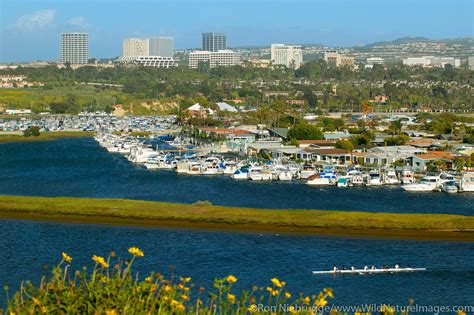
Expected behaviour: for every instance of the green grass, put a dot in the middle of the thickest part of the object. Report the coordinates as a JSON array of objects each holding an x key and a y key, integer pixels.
[
  {"x": 202, "y": 215},
  {"x": 45, "y": 136}
]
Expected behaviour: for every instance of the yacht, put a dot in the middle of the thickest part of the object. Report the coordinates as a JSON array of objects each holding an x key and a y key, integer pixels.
[
  {"x": 407, "y": 177},
  {"x": 450, "y": 187},
  {"x": 373, "y": 178},
  {"x": 391, "y": 178},
  {"x": 427, "y": 183},
  {"x": 242, "y": 173},
  {"x": 344, "y": 181},
  {"x": 259, "y": 174},
  {"x": 467, "y": 182},
  {"x": 322, "y": 179},
  {"x": 307, "y": 170}
]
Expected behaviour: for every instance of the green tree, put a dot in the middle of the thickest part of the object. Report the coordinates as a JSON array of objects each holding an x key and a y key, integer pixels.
[{"x": 305, "y": 131}]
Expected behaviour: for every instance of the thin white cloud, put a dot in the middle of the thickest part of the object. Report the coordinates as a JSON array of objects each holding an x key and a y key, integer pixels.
[
  {"x": 35, "y": 21},
  {"x": 79, "y": 21}
]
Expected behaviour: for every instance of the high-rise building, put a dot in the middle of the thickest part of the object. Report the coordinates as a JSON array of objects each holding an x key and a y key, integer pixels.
[
  {"x": 135, "y": 47},
  {"x": 214, "y": 41},
  {"x": 75, "y": 48},
  {"x": 214, "y": 58},
  {"x": 335, "y": 59},
  {"x": 290, "y": 56},
  {"x": 470, "y": 62},
  {"x": 161, "y": 46},
  {"x": 149, "y": 52}
]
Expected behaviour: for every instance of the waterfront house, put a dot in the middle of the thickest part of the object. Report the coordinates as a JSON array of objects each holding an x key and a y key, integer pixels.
[
  {"x": 321, "y": 144},
  {"x": 279, "y": 133},
  {"x": 338, "y": 135},
  {"x": 291, "y": 152},
  {"x": 199, "y": 111},
  {"x": 332, "y": 156},
  {"x": 420, "y": 162}
]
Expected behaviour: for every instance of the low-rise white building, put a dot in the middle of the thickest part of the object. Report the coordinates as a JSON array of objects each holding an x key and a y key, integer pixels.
[
  {"x": 432, "y": 61},
  {"x": 150, "y": 61},
  {"x": 214, "y": 58}
]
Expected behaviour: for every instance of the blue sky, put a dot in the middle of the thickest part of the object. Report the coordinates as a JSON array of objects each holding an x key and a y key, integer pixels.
[{"x": 30, "y": 29}]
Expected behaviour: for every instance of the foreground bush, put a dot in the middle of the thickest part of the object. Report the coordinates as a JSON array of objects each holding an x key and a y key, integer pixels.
[{"x": 113, "y": 288}]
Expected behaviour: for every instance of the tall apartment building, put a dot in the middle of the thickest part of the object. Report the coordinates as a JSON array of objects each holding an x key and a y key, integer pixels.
[
  {"x": 135, "y": 47},
  {"x": 432, "y": 61},
  {"x": 214, "y": 58},
  {"x": 335, "y": 59},
  {"x": 75, "y": 48},
  {"x": 150, "y": 52},
  {"x": 290, "y": 56},
  {"x": 470, "y": 62},
  {"x": 214, "y": 41}
]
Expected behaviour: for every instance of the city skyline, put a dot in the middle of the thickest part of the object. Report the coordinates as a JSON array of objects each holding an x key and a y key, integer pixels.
[{"x": 31, "y": 30}]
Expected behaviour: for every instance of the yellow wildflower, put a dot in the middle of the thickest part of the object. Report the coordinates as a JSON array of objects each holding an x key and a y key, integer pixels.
[
  {"x": 135, "y": 251},
  {"x": 178, "y": 305},
  {"x": 231, "y": 279},
  {"x": 185, "y": 297},
  {"x": 168, "y": 288},
  {"x": 36, "y": 301},
  {"x": 44, "y": 309},
  {"x": 291, "y": 309},
  {"x": 252, "y": 308},
  {"x": 148, "y": 279},
  {"x": 287, "y": 295},
  {"x": 100, "y": 260},
  {"x": 185, "y": 280},
  {"x": 307, "y": 300},
  {"x": 277, "y": 282},
  {"x": 66, "y": 257},
  {"x": 329, "y": 293},
  {"x": 111, "y": 312},
  {"x": 461, "y": 313},
  {"x": 180, "y": 286},
  {"x": 231, "y": 298}
]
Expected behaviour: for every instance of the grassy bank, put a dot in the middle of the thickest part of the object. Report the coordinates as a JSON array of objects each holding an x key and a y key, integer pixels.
[
  {"x": 205, "y": 216},
  {"x": 45, "y": 136}
]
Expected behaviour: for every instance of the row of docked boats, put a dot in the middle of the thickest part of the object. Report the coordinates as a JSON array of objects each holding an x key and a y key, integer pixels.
[{"x": 191, "y": 163}]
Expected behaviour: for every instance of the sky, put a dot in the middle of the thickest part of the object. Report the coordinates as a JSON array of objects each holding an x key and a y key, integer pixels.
[{"x": 30, "y": 29}]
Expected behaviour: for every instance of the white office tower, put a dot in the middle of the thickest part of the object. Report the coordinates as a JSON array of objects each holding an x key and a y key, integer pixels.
[
  {"x": 75, "y": 48},
  {"x": 135, "y": 47},
  {"x": 214, "y": 58},
  {"x": 290, "y": 56},
  {"x": 149, "y": 52}
]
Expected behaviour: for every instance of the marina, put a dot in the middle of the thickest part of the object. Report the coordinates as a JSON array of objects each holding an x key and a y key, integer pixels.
[
  {"x": 82, "y": 168},
  {"x": 185, "y": 158}
]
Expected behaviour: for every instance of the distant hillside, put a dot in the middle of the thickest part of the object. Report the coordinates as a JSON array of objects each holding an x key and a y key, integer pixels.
[{"x": 463, "y": 41}]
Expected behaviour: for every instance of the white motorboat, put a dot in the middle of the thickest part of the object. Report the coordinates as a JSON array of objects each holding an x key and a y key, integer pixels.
[
  {"x": 259, "y": 174},
  {"x": 242, "y": 173},
  {"x": 467, "y": 182},
  {"x": 367, "y": 271},
  {"x": 450, "y": 187},
  {"x": 307, "y": 170},
  {"x": 285, "y": 175},
  {"x": 211, "y": 170},
  {"x": 391, "y": 178},
  {"x": 407, "y": 177},
  {"x": 373, "y": 179},
  {"x": 344, "y": 181},
  {"x": 427, "y": 183},
  {"x": 322, "y": 179}
]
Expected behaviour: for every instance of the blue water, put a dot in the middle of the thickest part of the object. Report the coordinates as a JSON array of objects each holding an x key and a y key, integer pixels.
[
  {"x": 253, "y": 258},
  {"x": 81, "y": 168}
]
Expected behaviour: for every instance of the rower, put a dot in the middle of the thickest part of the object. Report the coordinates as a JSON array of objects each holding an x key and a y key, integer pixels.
[
  {"x": 335, "y": 269},
  {"x": 397, "y": 266},
  {"x": 366, "y": 268},
  {"x": 352, "y": 268},
  {"x": 373, "y": 268}
]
